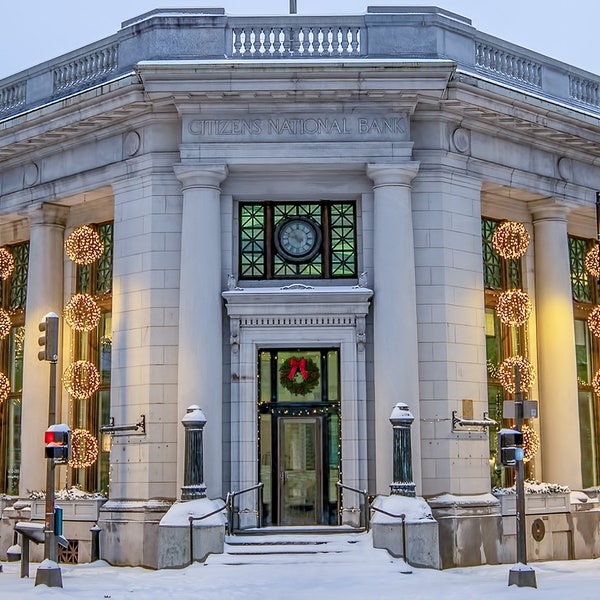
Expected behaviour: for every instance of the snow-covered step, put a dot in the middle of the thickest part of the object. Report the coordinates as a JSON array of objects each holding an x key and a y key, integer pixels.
[{"x": 299, "y": 549}]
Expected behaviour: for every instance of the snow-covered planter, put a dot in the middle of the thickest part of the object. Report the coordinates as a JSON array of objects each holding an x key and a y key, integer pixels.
[
  {"x": 540, "y": 498},
  {"x": 77, "y": 505}
]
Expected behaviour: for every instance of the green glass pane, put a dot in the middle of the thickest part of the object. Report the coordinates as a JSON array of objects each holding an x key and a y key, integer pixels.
[
  {"x": 581, "y": 282},
  {"x": 18, "y": 279},
  {"x": 105, "y": 262},
  {"x": 492, "y": 268},
  {"x": 15, "y": 358},
  {"x": 252, "y": 240}
]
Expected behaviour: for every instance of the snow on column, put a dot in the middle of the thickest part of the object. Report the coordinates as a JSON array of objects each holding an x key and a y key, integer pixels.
[
  {"x": 557, "y": 371},
  {"x": 200, "y": 310},
  {"x": 394, "y": 308}
]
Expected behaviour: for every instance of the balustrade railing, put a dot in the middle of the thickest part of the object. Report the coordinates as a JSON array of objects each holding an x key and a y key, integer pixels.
[
  {"x": 584, "y": 90},
  {"x": 509, "y": 65},
  {"x": 86, "y": 69},
  {"x": 303, "y": 41}
]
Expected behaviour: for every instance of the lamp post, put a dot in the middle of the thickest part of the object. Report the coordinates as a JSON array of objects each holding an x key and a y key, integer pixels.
[
  {"x": 293, "y": 7},
  {"x": 520, "y": 574},
  {"x": 401, "y": 420},
  {"x": 193, "y": 476},
  {"x": 49, "y": 572}
]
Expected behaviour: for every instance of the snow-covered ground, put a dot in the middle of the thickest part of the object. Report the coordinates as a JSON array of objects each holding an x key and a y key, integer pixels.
[{"x": 368, "y": 575}]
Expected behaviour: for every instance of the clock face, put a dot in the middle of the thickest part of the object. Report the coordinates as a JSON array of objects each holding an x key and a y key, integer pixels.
[{"x": 298, "y": 239}]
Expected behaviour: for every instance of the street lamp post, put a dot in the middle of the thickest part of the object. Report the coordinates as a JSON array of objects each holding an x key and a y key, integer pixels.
[
  {"x": 520, "y": 574},
  {"x": 49, "y": 572}
]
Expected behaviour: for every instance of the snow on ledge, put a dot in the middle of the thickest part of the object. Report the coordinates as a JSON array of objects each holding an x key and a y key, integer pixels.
[
  {"x": 415, "y": 509},
  {"x": 179, "y": 514}
]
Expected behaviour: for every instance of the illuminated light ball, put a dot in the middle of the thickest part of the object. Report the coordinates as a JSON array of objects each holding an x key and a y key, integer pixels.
[
  {"x": 84, "y": 449},
  {"x": 7, "y": 263},
  {"x": 596, "y": 382},
  {"x": 531, "y": 442},
  {"x": 506, "y": 373},
  {"x": 4, "y": 387},
  {"x": 593, "y": 321},
  {"x": 511, "y": 239},
  {"x": 84, "y": 246},
  {"x": 514, "y": 307},
  {"x": 81, "y": 379},
  {"x": 592, "y": 261},
  {"x": 5, "y": 323},
  {"x": 82, "y": 313}
]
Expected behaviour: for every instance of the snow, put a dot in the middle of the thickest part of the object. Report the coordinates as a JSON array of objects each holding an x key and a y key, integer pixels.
[
  {"x": 178, "y": 515},
  {"x": 414, "y": 509},
  {"x": 375, "y": 577}
]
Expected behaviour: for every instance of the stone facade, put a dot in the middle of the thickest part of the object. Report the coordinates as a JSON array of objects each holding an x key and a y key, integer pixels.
[{"x": 420, "y": 121}]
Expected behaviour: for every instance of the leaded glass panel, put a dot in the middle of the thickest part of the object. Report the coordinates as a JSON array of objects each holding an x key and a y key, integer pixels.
[
  {"x": 581, "y": 283},
  {"x": 18, "y": 279},
  {"x": 252, "y": 240},
  {"x": 492, "y": 268},
  {"x": 260, "y": 259},
  {"x": 343, "y": 240}
]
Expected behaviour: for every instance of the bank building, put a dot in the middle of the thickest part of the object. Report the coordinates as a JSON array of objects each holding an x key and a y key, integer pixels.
[{"x": 314, "y": 238}]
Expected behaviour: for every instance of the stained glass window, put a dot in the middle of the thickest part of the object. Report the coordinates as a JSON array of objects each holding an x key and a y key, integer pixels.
[
  {"x": 259, "y": 257},
  {"x": 96, "y": 346}
]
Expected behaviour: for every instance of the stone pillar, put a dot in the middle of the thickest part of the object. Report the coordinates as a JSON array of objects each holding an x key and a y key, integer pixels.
[
  {"x": 394, "y": 305},
  {"x": 557, "y": 370},
  {"x": 45, "y": 293},
  {"x": 200, "y": 379},
  {"x": 193, "y": 474}
]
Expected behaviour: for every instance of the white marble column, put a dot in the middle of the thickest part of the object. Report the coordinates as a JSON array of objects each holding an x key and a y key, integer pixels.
[
  {"x": 45, "y": 285},
  {"x": 557, "y": 370},
  {"x": 200, "y": 379},
  {"x": 395, "y": 357}
]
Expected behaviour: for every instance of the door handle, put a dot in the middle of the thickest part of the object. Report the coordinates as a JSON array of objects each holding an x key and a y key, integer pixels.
[{"x": 283, "y": 477}]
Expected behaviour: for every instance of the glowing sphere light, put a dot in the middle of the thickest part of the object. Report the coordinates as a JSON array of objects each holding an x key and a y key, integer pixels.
[{"x": 511, "y": 239}]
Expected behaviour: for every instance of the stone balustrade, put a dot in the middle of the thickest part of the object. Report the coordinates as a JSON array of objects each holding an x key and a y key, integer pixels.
[{"x": 396, "y": 33}]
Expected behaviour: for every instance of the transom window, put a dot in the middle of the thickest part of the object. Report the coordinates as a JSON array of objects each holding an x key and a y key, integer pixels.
[{"x": 297, "y": 240}]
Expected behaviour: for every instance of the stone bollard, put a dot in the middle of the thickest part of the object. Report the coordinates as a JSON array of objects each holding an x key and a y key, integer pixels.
[
  {"x": 193, "y": 476},
  {"x": 401, "y": 420}
]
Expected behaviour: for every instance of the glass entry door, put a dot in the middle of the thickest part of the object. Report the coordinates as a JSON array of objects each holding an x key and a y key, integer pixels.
[
  {"x": 299, "y": 435},
  {"x": 300, "y": 461}
]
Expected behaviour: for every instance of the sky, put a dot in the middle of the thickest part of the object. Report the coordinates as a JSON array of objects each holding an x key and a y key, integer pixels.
[{"x": 33, "y": 31}]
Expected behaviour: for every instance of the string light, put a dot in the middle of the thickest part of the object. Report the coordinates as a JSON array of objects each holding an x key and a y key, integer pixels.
[
  {"x": 593, "y": 321},
  {"x": 7, "y": 263},
  {"x": 5, "y": 323},
  {"x": 84, "y": 246},
  {"x": 82, "y": 313},
  {"x": 506, "y": 373},
  {"x": 84, "y": 449},
  {"x": 596, "y": 382},
  {"x": 511, "y": 239},
  {"x": 592, "y": 261},
  {"x": 514, "y": 307},
  {"x": 4, "y": 387},
  {"x": 531, "y": 442},
  {"x": 81, "y": 379}
]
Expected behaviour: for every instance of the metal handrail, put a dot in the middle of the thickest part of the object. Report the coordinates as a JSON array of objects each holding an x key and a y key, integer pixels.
[
  {"x": 365, "y": 496},
  {"x": 191, "y": 520},
  {"x": 400, "y": 516},
  {"x": 368, "y": 506},
  {"x": 230, "y": 502}
]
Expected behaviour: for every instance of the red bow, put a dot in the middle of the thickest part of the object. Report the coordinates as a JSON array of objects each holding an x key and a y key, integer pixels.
[{"x": 295, "y": 365}]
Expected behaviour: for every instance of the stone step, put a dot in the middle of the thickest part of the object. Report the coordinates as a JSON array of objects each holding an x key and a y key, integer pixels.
[{"x": 296, "y": 548}]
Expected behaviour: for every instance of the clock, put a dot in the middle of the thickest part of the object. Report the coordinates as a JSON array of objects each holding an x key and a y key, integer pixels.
[{"x": 297, "y": 239}]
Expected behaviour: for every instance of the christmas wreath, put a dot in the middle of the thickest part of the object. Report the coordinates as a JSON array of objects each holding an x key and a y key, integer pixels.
[{"x": 299, "y": 375}]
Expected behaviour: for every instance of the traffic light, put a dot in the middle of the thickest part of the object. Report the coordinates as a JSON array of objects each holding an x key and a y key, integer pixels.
[
  {"x": 58, "y": 443},
  {"x": 49, "y": 338},
  {"x": 510, "y": 447}
]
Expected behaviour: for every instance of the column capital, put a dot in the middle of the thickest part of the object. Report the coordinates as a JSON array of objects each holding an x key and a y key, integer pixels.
[
  {"x": 384, "y": 174},
  {"x": 48, "y": 213},
  {"x": 201, "y": 176},
  {"x": 550, "y": 209}
]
